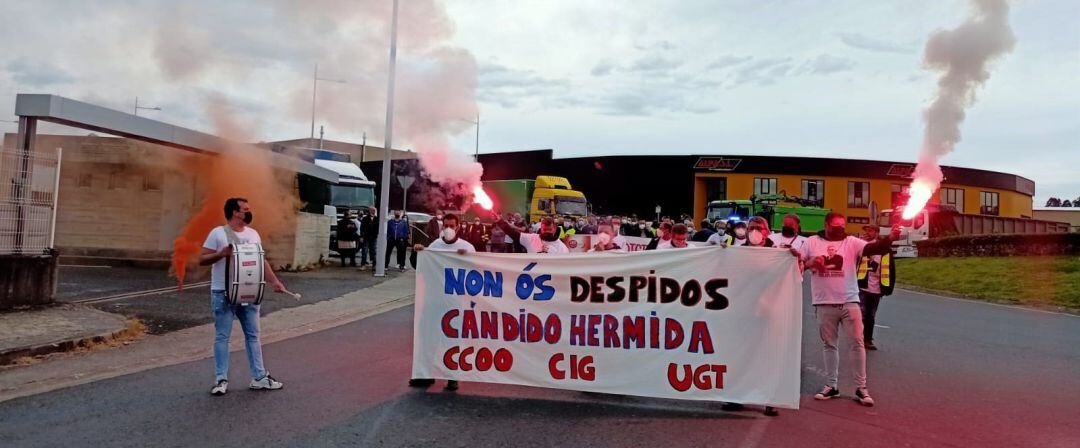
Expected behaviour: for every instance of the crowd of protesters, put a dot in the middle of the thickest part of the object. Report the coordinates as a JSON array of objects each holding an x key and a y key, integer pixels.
[{"x": 848, "y": 274}]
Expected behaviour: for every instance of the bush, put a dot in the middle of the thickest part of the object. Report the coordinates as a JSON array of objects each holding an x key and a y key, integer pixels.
[{"x": 1000, "y": 245}]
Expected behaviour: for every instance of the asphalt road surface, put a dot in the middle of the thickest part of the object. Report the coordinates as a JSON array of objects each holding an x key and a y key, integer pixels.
[
  {"x": 176, "y": 310},
  {"x": 950, "y": 373}
]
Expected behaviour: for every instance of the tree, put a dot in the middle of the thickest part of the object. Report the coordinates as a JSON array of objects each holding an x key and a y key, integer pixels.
[
  {"x": 1066, "y": 203},
  {"x": 1053, "y": 202}
]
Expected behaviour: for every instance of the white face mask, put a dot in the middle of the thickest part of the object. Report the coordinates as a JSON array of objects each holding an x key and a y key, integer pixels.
[
  {"x": 604, "y": 238},
  {"x": 641, "y": 226},
  {"x": 448, "y": 234},
  {"x": 756, "y": 238}
]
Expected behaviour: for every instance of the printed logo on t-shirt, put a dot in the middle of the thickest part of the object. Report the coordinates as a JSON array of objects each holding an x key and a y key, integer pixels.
[{"x": 834, "y": 263}]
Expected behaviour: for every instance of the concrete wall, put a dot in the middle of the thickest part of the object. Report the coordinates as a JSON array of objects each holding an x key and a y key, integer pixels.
[
  {"x": 124, "y": 202},
  {"x": 312, "y": 239},
  {"x": 27, "y": 280}
]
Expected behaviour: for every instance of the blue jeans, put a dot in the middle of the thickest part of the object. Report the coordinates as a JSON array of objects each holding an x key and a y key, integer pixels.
[{"x": 223, "y": 323}]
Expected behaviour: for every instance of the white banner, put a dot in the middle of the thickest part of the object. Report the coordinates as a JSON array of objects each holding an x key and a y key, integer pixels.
[
  {"x": 704, "y": 323},
  {"x": 581, "y": 243}
]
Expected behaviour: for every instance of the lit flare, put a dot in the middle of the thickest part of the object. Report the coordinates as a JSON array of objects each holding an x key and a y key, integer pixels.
[
  {"x": 481, "y": 197},
  {"x": 919, "y": 194}
]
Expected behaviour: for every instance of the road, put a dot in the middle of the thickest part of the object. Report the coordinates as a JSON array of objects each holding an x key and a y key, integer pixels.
[
  {"x": 950, "y": 373},
  {"x": 176, "y": 310}
]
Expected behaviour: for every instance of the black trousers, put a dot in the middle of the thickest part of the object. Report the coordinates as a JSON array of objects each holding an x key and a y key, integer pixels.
[
  {"x": 399, "y": 244},
  {"x": 347, "y": 254},
  {"x": 869, "y": 303}
]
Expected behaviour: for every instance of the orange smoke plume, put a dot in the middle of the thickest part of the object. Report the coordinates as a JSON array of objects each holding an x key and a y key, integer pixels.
[{"x": 242, "y": 170}]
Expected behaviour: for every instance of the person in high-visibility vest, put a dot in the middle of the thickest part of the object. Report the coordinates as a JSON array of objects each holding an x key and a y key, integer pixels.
[{"x": 876, "y": 276}]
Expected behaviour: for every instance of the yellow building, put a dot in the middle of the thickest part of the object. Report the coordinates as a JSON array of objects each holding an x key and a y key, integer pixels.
[{"x": 855, "y": 187}]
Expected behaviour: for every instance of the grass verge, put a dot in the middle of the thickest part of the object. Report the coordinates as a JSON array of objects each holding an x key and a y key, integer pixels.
[{"x": 1046, "y": 281}]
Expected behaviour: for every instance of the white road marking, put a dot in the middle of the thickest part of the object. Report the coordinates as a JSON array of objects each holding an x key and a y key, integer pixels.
[
  {"x": 988, "y": 303},
  {"x": 880, "y": 326}
]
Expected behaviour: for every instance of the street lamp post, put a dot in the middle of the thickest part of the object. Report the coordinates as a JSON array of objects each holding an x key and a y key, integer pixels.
[
  {"x": 476, "y": 157},
  {"x": 314, "y": 88},
  {"x": 384, "y": 193},
  {"x": 137, "y": 107}
]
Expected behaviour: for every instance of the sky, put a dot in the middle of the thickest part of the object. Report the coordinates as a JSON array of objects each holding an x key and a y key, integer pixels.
[{"x": 840, "y": 78}]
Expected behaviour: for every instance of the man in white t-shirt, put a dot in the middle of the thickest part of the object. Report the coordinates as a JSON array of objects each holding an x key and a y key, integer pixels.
[
  {"x": 215, "y": 251},
  {"x": 789, "y": 237},
  {"x": 448, "y": 241},
  {"x": 679, "y": 234},
  {"x": 545, "y": 242},
  {"x": 835, "y": 290}
]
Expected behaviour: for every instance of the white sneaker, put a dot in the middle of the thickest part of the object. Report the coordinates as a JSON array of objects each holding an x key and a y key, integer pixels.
[
  {"x": 267, "y": 383},
  {"x": 220, "y": 388}
]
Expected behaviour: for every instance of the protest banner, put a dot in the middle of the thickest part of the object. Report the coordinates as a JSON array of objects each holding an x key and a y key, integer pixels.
[
  {"x": 703, "y": 323},
  {"x": 582, "y": 243}
]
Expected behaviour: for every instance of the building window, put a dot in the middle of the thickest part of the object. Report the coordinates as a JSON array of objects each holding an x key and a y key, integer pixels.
[
  {"x": 814, "y": 190},
  {"x": 116, "y": 181},
  {"x": 858, "y": 194},
  {"x": 988, "y": 203},
  {"x": 86, "y": 180},
  {"x": 899, "y": 196},
  {"x": 953, "y": 197},
  {"x": 715, "y": 189},
  {"x": 764, "y": 185},
  {"x": 151, "y": 183}
]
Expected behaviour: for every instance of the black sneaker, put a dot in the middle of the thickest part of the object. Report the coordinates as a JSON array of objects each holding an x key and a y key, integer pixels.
[
  {"x": 870, "y": 345},
  {"x": 863, "y": 397},
  {"x": 771, "y": 411},
  {"x": 451, "y": 385},
  {"x": 220, "y": 388},
  {"x": 827, "y": 393},
  {"x": 732, "y": 407},
  {"x": 421, "y": 382}
]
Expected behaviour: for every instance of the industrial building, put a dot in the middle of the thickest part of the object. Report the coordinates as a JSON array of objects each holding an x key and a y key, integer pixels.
[{"x": 636, "y": 184}]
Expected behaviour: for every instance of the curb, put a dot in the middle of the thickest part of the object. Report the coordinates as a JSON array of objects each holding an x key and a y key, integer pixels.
[{"x": 8, "y": 357}]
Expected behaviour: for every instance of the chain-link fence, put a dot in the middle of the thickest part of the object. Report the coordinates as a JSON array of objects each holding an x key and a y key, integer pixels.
[{"x": 29, "y": 183}]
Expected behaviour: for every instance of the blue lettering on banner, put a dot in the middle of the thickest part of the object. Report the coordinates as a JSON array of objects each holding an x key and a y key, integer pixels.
[{"x": 472, "y": 282}]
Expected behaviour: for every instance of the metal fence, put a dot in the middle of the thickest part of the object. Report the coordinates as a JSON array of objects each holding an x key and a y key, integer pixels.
[{"x": 29, "y": 183}]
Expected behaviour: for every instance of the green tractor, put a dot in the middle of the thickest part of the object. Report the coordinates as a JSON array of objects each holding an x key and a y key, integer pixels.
[{"x": 772, "y": 207}]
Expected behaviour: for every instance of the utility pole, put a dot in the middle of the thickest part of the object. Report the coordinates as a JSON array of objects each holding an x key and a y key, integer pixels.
[
  {"x": 314, "y": 89},
  {"x": 384, "y": 195},
  {"x": 363, "y": 147},
  {"x": 137, "y": 107}
]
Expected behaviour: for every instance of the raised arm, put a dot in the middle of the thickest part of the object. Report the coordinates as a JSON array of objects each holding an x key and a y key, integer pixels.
[{"x": 510, "y": 230}]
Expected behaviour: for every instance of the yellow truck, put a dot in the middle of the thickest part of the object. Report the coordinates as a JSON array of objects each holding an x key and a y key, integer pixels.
[{"x": 535, "y": 199}]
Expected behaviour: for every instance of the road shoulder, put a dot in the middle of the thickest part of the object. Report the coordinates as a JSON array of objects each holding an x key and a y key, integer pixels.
[{"x": 196, "y": 343}]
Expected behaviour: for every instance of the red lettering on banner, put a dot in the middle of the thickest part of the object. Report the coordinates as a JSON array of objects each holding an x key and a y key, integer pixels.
[
  {"x": 699, "y": 336},
  {"x": 611, "y": 331},
  {"x": 633, "y": 331},
  {"x": 468, "y": 325},
  {"x": 577, "y": 330},
  {"x": 457, "y": 359},
  {"x": 591, "y": 338},
  {"x": 464, "y": 363},
  {"x": 703, "y": 377},
  {"x": 447, "y": 329},
  {"x": 579, "y": 368},
  {"x": 673, "y": 337},
  {"x": 448, "y": 358}
]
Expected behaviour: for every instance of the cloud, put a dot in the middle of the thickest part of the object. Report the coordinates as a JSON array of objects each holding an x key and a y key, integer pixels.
[
  {"x": 509, "y": 87},
  {"x": 762, "y": 71},
  {"x": 726, "y": 61},
  {"x": 654, "y": 64},
  {"x": 825, "y": 64},
  {"x": 869, "y": 43},
  {"x": 603, "y": 68},
  {"x": 37, "y": 73}
]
